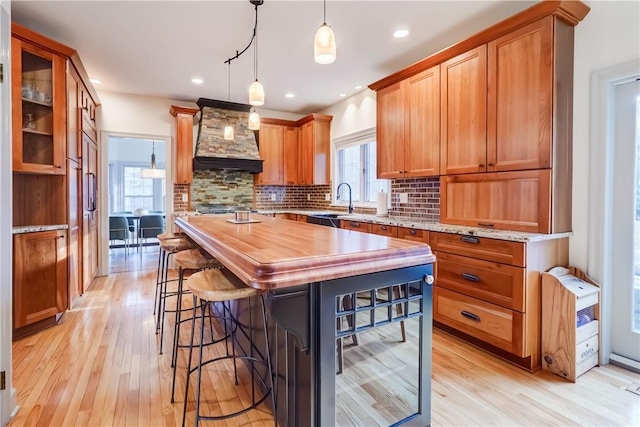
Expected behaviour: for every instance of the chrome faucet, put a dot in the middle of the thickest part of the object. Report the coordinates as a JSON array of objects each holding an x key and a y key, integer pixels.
[{"x": 338, "y": 197}]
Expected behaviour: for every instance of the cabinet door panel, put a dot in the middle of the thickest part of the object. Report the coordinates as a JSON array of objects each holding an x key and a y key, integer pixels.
[
  {"x": 422, "y": 106},
  {"x": 464, "y": 113},
  {"x": 184, "y": 148},
  {"x": 305, "y": 171},
  {"x": 520, "y": 98},
  {"x": 507, "y": 200},
  {"x": 271, "y": 142},
  {"x": 290, "y": 155},
  {"x": 390, "y": 133},
  {"x": 40, "y": 276}
]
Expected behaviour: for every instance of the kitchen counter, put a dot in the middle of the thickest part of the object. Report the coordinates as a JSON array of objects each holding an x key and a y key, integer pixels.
[
  {"x": 514, "y": 236},
  {"x": 36, "y": 228},
  {"x": 324, "y": 285}
]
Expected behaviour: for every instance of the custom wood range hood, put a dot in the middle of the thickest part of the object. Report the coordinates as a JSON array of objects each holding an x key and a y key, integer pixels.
[{"x": 212, "y": 151}]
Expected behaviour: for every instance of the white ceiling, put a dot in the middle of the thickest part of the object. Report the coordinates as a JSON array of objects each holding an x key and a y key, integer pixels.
[{"x": 154, "y": 48}]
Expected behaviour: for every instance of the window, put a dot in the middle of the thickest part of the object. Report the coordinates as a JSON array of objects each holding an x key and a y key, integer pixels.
[
  {"x": 356, "y": 165},
  {"x": 138, "y": 192}
]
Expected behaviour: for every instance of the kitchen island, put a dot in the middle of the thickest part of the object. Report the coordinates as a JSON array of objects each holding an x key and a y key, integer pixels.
[{"x": 326, "y": 286}]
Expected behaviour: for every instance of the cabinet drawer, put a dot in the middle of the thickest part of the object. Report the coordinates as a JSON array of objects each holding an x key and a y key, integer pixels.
[
  {"x": 90, "y": 130},
  {"x": 493, "y": 324},
  {"x": 413, "y": 234},
  {"x": 384, "y": 230},
  {"x": 502, "y": 251},
  {"x": 302, "y": 218},
  {"x": 489, "y": 281},
  {"x": 357, "y": 226}
]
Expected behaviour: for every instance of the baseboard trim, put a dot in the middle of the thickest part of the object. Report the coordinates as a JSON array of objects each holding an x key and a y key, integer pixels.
[{"x": 623, "y": 362}]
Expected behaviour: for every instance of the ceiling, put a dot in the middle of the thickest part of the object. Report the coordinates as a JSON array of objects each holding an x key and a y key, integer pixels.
[{"x": 154, "y": 48}]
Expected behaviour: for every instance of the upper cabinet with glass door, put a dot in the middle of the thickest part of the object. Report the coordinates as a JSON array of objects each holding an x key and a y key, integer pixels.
[{"x": 39, "y": 108}]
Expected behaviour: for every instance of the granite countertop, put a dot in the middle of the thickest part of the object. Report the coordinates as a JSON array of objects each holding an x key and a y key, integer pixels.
[
  {"x": 36, "y": 228},
  {"x": 514, "y": 236}
]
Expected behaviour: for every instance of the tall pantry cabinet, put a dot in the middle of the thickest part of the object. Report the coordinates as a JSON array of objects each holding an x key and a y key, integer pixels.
[{"x": 55, "y": 158}]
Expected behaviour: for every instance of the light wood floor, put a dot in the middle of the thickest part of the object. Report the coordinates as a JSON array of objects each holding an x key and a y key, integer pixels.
[
  {"x": 101, "y": 367},
  {"x": 134, "y": 261}
]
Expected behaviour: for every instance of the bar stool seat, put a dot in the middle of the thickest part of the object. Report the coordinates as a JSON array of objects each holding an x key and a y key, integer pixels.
[
  {"x": 194, "y": 259},
  {"x": 222, "y": 286},
  {"x": 176, "y": 245},
  {"x": 167, "y": 236}
]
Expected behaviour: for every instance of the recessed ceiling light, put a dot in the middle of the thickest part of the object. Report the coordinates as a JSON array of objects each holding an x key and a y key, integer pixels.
[
  {"x": 357, "y": 87},
  {"x": 343, "y": 95},
  {"x": 95, "y": 81},
  {"x": 290, "y": 95},
  {"x": 197, "y": 80},
  {"x": 401, "y": 34}
]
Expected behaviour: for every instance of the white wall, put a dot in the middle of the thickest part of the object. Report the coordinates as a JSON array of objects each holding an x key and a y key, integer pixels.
[
  {"x": 353, "y": 114},
  {"x": 7, "y": 397},
  {"x": 609, "y": 35}
]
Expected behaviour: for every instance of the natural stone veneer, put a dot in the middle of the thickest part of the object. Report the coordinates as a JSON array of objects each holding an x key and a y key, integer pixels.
[
  {"x": 221, "y": 187},
  {"x": 211, "y": 142}
]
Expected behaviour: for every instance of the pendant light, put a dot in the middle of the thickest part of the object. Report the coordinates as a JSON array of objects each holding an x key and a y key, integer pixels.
[
  {"x": 254, "y": 120},
  {"x": 152, "y": 172},
  {"x": 256, "y": 91},
  {"x": 324, "y": 45},
  {"x": 228, "y": 130}
]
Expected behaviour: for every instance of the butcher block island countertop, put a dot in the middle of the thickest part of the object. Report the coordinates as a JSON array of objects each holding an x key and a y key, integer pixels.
[
  {"x": 276, "y": 253},
  {"x": 349, "y": 314}
]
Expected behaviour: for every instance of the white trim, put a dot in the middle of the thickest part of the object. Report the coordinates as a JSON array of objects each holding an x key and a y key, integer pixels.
[
  {"x": 355, "y": 138},
  {"x": 600, "y": 158},
  {"x": 104, "y": 186},
  {"x": 624, "y": 362}
]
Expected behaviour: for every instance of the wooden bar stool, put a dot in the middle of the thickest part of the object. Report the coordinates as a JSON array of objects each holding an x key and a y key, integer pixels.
[
  {"x": 161, "y": 259},
  {"x": 169, "y": 247},
  {"x": 189, "y": 260},
  {"x": 222, "y": 286}
]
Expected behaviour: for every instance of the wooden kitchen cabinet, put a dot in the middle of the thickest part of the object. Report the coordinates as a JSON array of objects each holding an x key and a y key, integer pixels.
[
  {"x": 315, "y": 148},
  {"x": 290, "y": 153},
  {"x": 39, "y": 279},
  {"x": 364, "y": 227},
  {"x": 91, "y": 211},
  {"x": 408, "y": 127},
  {"x": 271, "y": 151},
  {"x": 487, "y": 291},
  {"x": 507, "y": 200},
  {"x": 184, "y": 143},
  {"x": 38, "y": 109},
  {"x": 520, "y": 98},
  {"x": 74, "y": 185},
  {"x": 413, "y": 234},
  {"x": 463, "y": 142}
]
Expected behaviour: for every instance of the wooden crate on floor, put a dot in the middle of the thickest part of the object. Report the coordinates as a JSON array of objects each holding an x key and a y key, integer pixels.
[{"x": 570, "y": 322}]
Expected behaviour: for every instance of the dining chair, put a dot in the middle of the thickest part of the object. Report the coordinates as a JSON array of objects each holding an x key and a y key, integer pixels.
[
  {"x": 150, "y": 226},
  {"x": 129, "y": 216},
  {"x": 119, "y": 230}
]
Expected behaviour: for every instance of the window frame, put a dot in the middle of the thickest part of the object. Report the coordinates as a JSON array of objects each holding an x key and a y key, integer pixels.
[{"x": 354, "y": 139}]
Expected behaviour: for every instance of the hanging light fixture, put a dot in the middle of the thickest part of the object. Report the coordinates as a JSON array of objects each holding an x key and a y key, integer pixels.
[
  {"x": 256, "y": 91},
  {"x": 153, "y": 172},
  {"x": 228, "y": 129},
  {"x": 254, "y": 120},
  {"x": 324, "y": 45}
]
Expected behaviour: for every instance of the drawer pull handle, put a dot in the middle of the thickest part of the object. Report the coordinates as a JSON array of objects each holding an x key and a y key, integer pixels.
[
  {"x": 471, "y": 277},
  {"x": 471, "y": 316},
  {"x": 485, "y": 224},
  {"x": 469, "y": 239},
  {"x": 355, "y": 224},
  {"x": 412, "y": 232},
  {"x": 384, "y": 228}
]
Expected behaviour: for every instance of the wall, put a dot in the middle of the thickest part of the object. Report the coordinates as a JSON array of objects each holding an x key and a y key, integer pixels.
[{"x": 609, "y": 35}]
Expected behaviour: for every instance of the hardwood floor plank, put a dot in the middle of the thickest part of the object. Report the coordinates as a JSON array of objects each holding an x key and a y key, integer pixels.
[{"x": 101, "y": 367}]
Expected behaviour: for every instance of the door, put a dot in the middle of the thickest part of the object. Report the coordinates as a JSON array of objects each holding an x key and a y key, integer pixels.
[
  {"x": 90, "y": 211},
  {"x": 74, "y": 178},
  {"x": 390, "y": 133},
  {"x": 290, "y": 155},
  {"x": 271, "y": 142},
  {"x": 625, "y": 254}
]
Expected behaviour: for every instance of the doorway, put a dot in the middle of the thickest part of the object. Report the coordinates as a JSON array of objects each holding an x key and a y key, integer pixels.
[
  {"x": 137, "y": 201},
  {"x": 625, "y": 254}
]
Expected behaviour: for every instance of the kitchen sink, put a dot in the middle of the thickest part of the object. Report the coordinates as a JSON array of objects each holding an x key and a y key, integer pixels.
[
  {"x": 329, "y": 220},
  {"x": 332, "y": 216}
]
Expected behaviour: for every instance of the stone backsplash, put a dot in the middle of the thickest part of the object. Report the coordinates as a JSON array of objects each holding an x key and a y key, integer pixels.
[
  {"x": 211, "y": 142},
  {"x": 222, "y": 188}
]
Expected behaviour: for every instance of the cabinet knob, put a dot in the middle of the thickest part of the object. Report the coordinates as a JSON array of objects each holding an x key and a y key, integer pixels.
[
  {"x": 384, "y": 228},
  {"x": 429, "y": 279},
  {"x": 61, "y": 236},
  {"x": 490, "y": 164},
  {"x": 412, "y": 231},
  {"x": 481, "y": 165}
]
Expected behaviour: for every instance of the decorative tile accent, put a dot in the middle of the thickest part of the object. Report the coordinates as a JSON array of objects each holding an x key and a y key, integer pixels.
[
  {"x": 222, "y": 188},
  {"x": 178, "y": 191},
  {"x": 211, "y": 143},
  {"x": 423, "y": 196}
]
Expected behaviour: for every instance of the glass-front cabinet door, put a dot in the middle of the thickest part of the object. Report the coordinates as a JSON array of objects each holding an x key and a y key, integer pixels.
[{"x": 38, "y": 109}]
